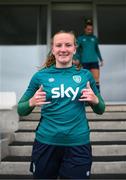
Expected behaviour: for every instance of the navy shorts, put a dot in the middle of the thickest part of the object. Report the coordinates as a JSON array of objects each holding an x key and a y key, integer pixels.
[
  {"x": 65, "y": 162},
  {"x": 89, "y": 66}
]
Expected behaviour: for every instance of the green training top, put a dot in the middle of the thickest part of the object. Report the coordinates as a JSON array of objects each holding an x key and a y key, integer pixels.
[
  {"x": 63, "y": 121},
  {"x": 88, "y": 50}
]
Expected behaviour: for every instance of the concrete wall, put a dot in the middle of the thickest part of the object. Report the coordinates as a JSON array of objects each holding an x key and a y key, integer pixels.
[
  {"x": 113, "y": 73},
  {"x": 8, "y": 112},
  {"x": 18, "y": 65},
  {"x": 4, "y": 147},
  {"x": 9, "y": 121}
]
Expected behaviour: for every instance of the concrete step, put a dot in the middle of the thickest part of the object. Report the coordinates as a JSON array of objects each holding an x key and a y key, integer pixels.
[
  {"x": 28, "y": 143},
  {"x": 107, "y": 115},
  {"x": 108, "y": 176},
  {"x": 112, "y": 167},
  {"x": 115, "y": 165},
  {"x": 12, "y": 176},
  {"x": 94, "y": 124},
  {"x": 95, "y": 136},
  {"x": 97, "y": 150},
  {"x": 112, "y": 111},
  {"x": 90, "y": 115},
  {"x": 20, "y": 150},
  {"x": 95, "y": 158},
  {"x": 93, "y": 176},
  {"x": 109, "y": 108},
  {"x": 108, "y": 124},
  {"x": 109, "y": 150},
  {"x": 108, "y": 136},
  {"x": 25, "y": 136},
  {"x": 32, "y": 116},
  {"x": 15, "y": 168},
  {"x": 29, "y": 125}
]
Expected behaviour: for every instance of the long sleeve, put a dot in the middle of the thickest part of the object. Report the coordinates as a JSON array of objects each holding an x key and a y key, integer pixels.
[
  {"x": 100, "y": 107},
  {"x": 23, "y": 107}
]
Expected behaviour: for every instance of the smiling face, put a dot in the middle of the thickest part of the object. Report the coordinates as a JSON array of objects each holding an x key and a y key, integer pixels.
[{"x": 63, "y": 48}]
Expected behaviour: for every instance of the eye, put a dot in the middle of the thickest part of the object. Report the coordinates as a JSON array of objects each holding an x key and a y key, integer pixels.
[
  {"x": 68, "y": 45},
  {"x": 58, "y": 45}
]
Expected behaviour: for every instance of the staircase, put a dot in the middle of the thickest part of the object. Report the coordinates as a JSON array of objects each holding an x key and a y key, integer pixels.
[{"x": 108, "y": 138}]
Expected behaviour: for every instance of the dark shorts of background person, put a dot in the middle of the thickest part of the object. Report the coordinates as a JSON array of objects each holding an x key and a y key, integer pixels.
[
  {"x": 89, "y": 66},
  {"x": 66, "y": 162}
]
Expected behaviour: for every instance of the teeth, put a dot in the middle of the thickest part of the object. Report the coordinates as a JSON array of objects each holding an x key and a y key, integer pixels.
[{"x": 63, "y": 54}]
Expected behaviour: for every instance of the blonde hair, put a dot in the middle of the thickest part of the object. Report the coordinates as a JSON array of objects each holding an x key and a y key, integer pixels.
[{"x": 50, "y": 57}]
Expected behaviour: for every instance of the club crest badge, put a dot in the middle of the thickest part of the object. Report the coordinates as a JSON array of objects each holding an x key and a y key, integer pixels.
[
  {"x": 51, "y": 79},
  {"x": 77, "y": 78}
]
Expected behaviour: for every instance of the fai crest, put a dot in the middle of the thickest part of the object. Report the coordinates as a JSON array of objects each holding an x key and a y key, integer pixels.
[{"x": 77, "y": 78}]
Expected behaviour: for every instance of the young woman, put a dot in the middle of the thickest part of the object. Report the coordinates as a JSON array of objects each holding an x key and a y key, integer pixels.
[
  {"x": 62, "y": 146},
  {"x": 88, "y": 52}
]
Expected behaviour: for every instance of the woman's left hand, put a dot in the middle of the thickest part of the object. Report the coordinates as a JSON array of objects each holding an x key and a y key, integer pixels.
[
  {"x": 88, "y": 95},
  {"x": 101, "y": 63}
]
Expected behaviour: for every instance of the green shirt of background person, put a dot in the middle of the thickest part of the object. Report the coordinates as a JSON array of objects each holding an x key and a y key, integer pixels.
[{"x": 88, "y": 52}]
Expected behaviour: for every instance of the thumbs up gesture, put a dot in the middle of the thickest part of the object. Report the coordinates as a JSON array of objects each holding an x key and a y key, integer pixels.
[
  {"x": 39, "y": 98},
  {"x": 88, "y": 95}
]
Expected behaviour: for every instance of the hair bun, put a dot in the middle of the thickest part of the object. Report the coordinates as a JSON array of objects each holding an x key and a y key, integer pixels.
[{"x": 88, "y": 21}]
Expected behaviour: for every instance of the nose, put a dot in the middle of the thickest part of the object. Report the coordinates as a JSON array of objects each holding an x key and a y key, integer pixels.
[{"x": 63, "y": 48}]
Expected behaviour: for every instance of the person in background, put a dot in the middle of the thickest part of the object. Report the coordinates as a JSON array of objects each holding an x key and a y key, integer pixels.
[
  {"x": 88, "y": 52},
  {"x": 62, "y": 147}
]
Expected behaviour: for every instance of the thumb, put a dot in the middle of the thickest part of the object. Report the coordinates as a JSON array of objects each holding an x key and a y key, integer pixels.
[
  {"x": 88, "y": 85},
  {"x": 40, "y": 88}
]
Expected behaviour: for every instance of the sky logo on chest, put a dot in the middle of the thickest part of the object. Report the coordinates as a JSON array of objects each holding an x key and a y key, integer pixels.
[
  {"x": 61, "y": 92},
  {"x": 69, "y": 92}
]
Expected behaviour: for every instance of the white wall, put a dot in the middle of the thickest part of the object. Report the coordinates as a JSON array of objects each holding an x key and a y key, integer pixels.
[
  {"x": 113, "y": 73},
  {"x": 20, "y": 62},
  {"x": 18, "y": 65}
]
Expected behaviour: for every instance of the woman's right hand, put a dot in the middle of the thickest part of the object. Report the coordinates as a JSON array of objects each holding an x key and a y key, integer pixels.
[{"x": 39, "y": 98}]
